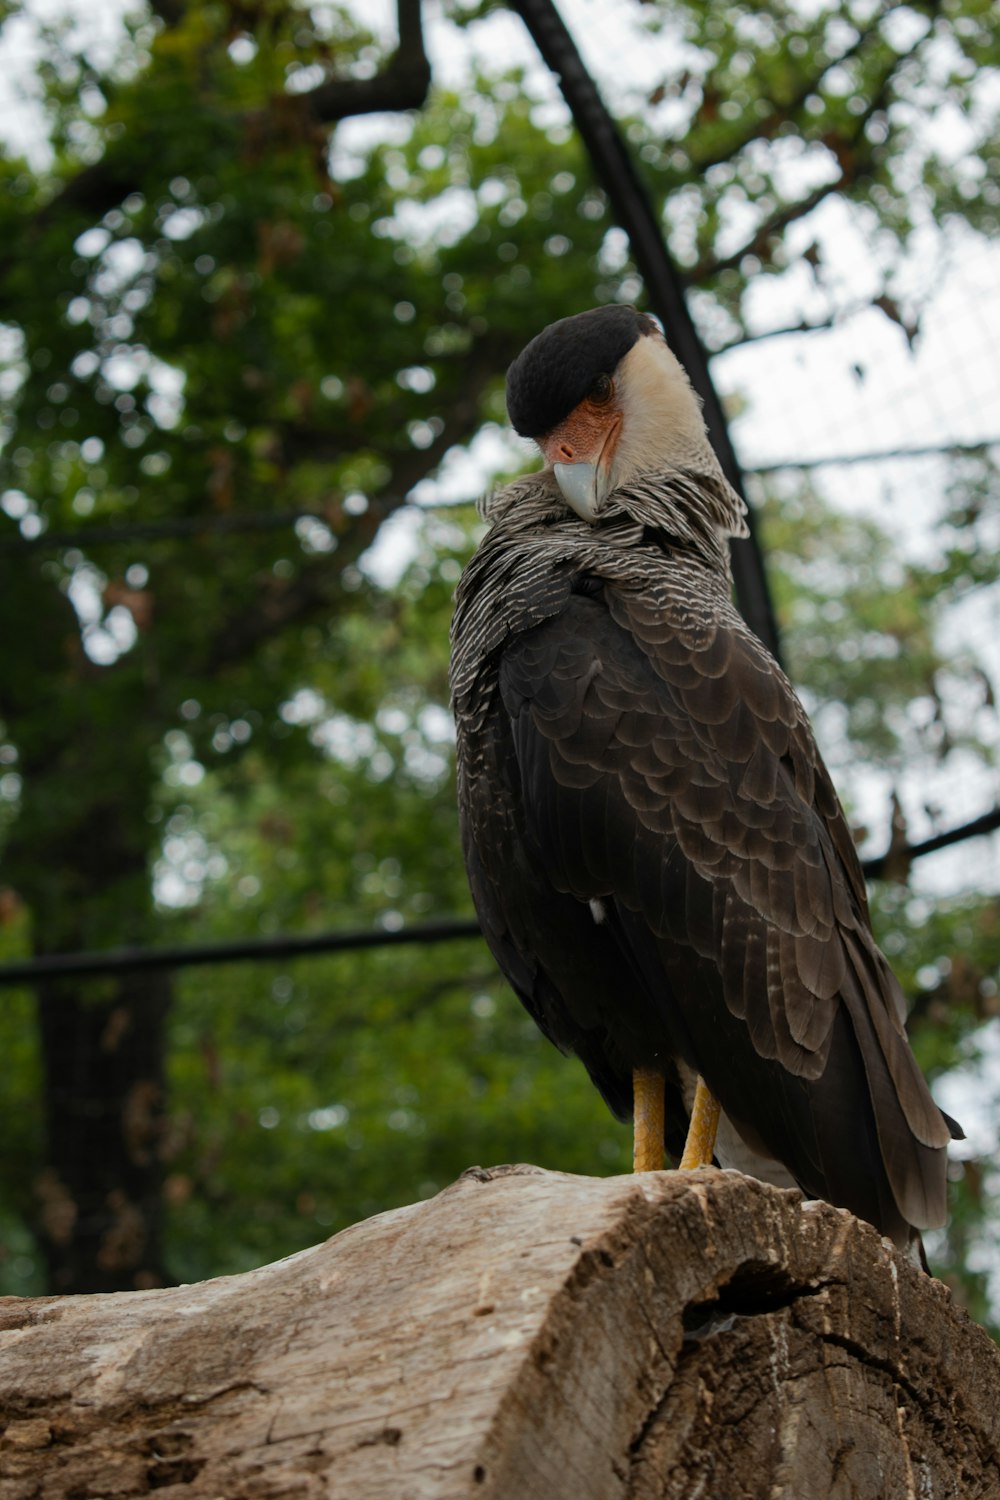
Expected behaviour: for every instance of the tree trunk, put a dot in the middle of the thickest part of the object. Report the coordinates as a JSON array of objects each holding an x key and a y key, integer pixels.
[
  {"x": 78, "y": 856},
  {"x": 99, "y": 1192},
  {"x": 524, "y": 1334}
]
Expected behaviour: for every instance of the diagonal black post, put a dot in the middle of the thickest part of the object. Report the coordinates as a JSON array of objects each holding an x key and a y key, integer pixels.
[{"x": 664, "y": 286}]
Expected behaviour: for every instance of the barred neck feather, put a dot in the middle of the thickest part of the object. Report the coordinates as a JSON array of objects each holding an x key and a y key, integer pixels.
[
  {"x": 693, "y": 510},
  {"x": 661, "y": 536}
]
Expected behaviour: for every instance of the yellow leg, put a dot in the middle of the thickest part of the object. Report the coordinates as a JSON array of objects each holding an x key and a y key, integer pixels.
[
  {"x": 700, "y": 1143},
  {"x": 647, "y": 1120}
]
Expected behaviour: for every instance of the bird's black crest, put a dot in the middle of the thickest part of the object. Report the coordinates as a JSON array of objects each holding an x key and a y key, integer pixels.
[{"x": 553, "y": 373}]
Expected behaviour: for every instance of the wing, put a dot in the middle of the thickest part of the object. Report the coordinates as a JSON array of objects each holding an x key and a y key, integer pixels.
[
  {"x": 665, "y": 769},
  {"x": 570, "y": 972}
]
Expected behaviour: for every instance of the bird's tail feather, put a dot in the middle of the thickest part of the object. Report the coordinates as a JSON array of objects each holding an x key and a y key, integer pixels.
[{"x": 912, "y": 1132}]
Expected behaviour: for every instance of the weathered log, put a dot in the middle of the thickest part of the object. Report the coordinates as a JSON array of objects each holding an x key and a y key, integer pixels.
[{"x": 524, "y": 1334}]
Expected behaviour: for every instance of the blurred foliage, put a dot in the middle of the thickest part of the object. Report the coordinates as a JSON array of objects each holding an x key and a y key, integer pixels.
[
  {"x": 207, "y": 314},
  {"x": 867, "y": 623}
]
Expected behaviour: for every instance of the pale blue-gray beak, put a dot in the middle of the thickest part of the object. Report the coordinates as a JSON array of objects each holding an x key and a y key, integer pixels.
[{"x": 582, "y": 487}]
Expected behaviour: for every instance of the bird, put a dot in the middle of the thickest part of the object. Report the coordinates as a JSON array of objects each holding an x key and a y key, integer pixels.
[{"x": 655, "y": 849}]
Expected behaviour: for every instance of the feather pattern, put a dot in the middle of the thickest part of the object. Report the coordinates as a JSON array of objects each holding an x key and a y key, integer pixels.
[{"x": 624, "y": 738}]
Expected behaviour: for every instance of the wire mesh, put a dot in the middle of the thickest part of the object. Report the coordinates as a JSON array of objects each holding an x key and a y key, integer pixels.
[{"x": 902, "y": 360}]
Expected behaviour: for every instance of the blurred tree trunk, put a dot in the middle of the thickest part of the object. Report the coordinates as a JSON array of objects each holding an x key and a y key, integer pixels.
[
  {"x": 77, "y": 855},
  {"x": 522, "y": 1334},
  {"x": 89, "y": 733},
  {"x": 99, "y": 1191}
]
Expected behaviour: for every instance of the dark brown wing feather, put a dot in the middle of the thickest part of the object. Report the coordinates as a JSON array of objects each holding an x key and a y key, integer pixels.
[{"x": 635, "y": 755}]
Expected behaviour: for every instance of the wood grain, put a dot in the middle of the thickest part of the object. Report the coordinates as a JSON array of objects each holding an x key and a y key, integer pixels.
[{"x": 524, "y": 1334}]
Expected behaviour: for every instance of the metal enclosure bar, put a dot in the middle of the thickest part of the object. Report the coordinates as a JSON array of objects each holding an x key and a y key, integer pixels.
[{"x": 633, "y": 210}]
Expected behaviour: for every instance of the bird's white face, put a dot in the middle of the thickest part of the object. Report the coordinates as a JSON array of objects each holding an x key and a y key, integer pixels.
[{"x": 641, "y": 420}]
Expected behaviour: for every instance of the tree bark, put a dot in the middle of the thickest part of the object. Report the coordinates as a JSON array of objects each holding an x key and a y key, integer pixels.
[
  {"x": 77, "y": 856},
  {"x": 522, "y": 1334},
  {"x": 100, "y": 1212}
]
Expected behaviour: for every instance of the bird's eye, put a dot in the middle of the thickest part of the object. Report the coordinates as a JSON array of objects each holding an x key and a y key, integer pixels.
[{"x": 602, "y": 390}]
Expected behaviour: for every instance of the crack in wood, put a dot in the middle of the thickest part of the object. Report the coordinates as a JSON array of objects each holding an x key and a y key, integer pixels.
[{"x": 675, "y": 1344}]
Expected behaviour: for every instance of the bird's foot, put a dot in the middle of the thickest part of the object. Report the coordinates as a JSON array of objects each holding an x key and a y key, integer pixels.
[
  {"x": 700, "y": 1144},
  {"x": 647, "y": 1120}
]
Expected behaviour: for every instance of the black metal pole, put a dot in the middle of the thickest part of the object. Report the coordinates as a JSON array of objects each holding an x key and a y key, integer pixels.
[
  {"x": 292, "y": 945},
  {"x": 664, "y": 285},
  {"x": 297, "y": 945}
]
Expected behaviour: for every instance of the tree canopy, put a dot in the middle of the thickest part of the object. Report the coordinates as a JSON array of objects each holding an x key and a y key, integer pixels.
[{"x": 240, "y": 337}]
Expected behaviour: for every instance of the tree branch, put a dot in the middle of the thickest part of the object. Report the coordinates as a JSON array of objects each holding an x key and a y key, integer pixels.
[
  {"x": 758, "y": 241},
  {"x": 316, "y": 585},
  {"x": 170, "y": 12},
  {"x": 402, "y": 84},
  {"x": 844, "y": 147},
  {"x": 766, "y": 127},
  {"x": 804, "y": 325},
  {"x": 883, "y": 302}
]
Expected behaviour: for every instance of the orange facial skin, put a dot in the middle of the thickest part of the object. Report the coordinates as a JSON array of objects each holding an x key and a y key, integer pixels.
[{"x": 589, "y": 435}]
